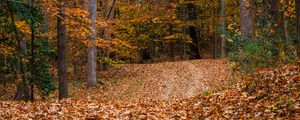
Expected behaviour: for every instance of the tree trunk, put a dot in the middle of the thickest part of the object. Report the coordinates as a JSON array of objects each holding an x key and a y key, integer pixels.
[
  {"x": 172, "y": 44},
  {"x": 223, "y": 42},
  {"x": 92, "y": 50},
  {"x": 183, "y": 47},
  {"x": 246, "y": 24},
  {"x": 286, "y": 28},
  {"x": 198, "y": 37},
  {"x": 61, "y": 46},
  {"x": 32, "y": 61},
  {"x": 214, "y": 51},
  {"x": 279, "y": 19},
  {"x": 286, "y": 23},
  {"x": 298, "y": 26},
  {"x": 32, "y": 58},
  {"x": 172, "y": 50},
  {"x": 106, "y": 33},
  {"x": 22, "y": 92}
]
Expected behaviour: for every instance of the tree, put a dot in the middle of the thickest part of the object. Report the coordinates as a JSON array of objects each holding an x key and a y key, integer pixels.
[
  {"x": 223, "y": 14},
  {"x": 105, "y": 32},
  {"x": 286, "y": 21},
  {"x": 23, "y": 91},
  {"x": 298, "y": 26},
  {"x": 61, "y": 46},
  {"x": 25, "y": 30},
  {"x": 33, "y": 56},
  {"x": 92, "y": 50},
  {"x": 246, "y": 20},
  {"x": 246, "y": 24}
]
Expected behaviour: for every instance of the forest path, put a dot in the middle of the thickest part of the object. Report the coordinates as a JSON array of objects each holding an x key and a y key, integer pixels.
[{"x": 168, "y": 80}]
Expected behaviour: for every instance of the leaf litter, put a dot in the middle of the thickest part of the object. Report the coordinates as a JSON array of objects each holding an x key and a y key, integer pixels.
[{"x": 266, "y": 94}]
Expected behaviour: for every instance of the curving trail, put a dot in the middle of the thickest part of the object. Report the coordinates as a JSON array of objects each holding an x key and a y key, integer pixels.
[{"x": 168, "y": 80}]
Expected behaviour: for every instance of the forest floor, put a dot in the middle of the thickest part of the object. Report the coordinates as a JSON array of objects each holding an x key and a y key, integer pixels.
[
  {"x": 196, "y": 89},
  {"x": 168, "y": 80}
]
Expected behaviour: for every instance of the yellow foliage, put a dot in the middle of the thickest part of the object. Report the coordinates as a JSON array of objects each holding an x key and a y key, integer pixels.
[
  {"x": 6, "y": 50},
  {"x": 121, "y": 43},
  {"x": 23, "y": 27},
  {"x": 102, "y": 43}
]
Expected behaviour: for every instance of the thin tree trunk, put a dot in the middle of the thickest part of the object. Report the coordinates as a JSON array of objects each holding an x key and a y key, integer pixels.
[
  {"x": 214, "y": 54},
  {"x": 32, "y": 61},
  {"x": 183, "y": 54},
  {"x": 172, "y": 44},
  {"x": 5, "y": 60},
  {"x": 32, "y": 58},
  {"x": 92, "y": 49},
  {"x": 184, "y": 51},
  {"x": 151, "y": 46},
  {"x": 223, "y": 42},
  {"x": 172, "y": 50},
  {"x": 105, "y": 33},
  {"x": 198, "y": 37},
  {"x": 298, "y": 26},
  {"x": 286, "y": 23},
  {"x": 61, "y": 46}
]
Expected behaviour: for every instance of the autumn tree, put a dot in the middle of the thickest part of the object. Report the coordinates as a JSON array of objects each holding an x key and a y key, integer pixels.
[
  {"x": 92, "y": 49},
  {"x": 23, "y": 90},
  {"x": 298, "y": 25},
  {"x": 32, "y": 61},
  {"x": 61, "y": 47},
  {"x": 224, "y": 27},
  {"x": 246, "y": 23},
  {"x": 105, "y": 33}
]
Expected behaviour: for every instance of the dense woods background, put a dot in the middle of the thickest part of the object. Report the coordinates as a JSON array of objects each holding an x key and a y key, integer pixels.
[{"x": 47, "y": 45}]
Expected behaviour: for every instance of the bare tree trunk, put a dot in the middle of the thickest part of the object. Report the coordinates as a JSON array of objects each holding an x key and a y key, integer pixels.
[
  {"x": 32, "y": 58},
  {"x": 198, "y": 36},
  {"x": 246, "y": 23},
  {"x": 223, "y": 42},
  {"x": 214, "y": 51},
  {"x": 61, "y": 46},
  {"x": 183, "y": 55},
  {"x": 5, "y": 60},
  {"x": 286, "y": 28},
  {"x": 183, "y": 48},
  {"x": 172, "y": 44},
  {"x": 298, "y": 26},
  {"x": 32, "y": 61},
  {"x": 23, "y": 92},
  {"x": 92, "y": 49},
  {"x": 286, "y": 23},
  {"x": 172, "y": 50},
  {"x": 151, "y": 49}
]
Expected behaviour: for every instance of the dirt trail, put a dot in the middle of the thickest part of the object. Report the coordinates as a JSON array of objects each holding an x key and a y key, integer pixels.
[{"x": 169, "y": 80}]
